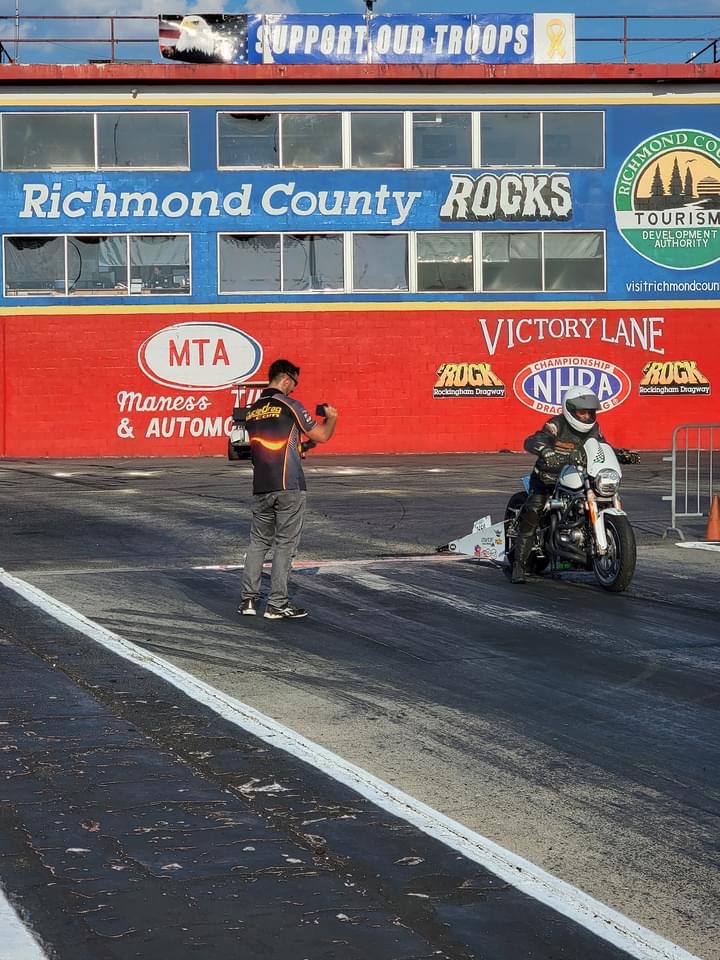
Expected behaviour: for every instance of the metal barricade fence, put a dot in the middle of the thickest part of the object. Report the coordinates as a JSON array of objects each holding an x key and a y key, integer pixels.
[{"x": 695, "y": 459}]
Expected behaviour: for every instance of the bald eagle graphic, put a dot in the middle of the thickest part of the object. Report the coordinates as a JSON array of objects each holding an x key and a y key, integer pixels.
[{"x": 200, "y": 39}]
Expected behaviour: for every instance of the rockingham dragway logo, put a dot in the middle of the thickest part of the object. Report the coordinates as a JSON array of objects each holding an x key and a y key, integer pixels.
[
  {"x": 467, "y": 380},
  {"x": 541, "y": 385},
  {"x": 673, "y": 377},
  {"x": 667, "y": 199},
  {"x": 199, "y": 356}
]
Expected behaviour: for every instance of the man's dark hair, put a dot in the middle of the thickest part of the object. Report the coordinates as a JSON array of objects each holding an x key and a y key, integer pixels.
[{"x": 279, "y": 367}]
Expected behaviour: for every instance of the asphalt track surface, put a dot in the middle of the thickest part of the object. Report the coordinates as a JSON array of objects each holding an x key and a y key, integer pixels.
[{"x": 575, "y": 728}]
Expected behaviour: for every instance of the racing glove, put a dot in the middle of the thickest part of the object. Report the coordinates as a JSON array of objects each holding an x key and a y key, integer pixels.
[
  {"x": 627, "y": 456},
  {"x": 554, "y": 459}
]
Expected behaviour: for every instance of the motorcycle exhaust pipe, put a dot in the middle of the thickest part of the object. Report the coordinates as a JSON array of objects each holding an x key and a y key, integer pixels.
[{"x": 565, "y": 551}]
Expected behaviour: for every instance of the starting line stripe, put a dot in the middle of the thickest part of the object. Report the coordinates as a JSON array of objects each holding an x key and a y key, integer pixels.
[
  {"x": 361, "y": 562},
  {"x": 600, "y": 919}
]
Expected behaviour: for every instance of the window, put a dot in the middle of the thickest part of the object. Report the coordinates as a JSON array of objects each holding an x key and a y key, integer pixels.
[
  {"x": 442, "y": 140},
  {"x": 66, "y": 141},
  {"x": 34, "y": 266},
  {"x": 311, "y": 140},
  {"x": 293, "y": 263},
  {"x": 444, "y": 262},
  {"x": 154, "y": 140},
  {"x": 249, "y": 263},
  {"x": 422, "y": 139},
  {"x": 509, "y": 139},
  {"x": 511, "y": 261},
  {"x": 97, "y": 265},
  {"x": 573, "y": 139},
  {"x": 380, "y": 261},
  {"x": 313, "y": 262},
  {"x": 159, "y": 264},
  {"x": 569, "y": 139},
  {"x": 248, "y": 139},
  {"x": 377, "y": 140},
  {"x": 574, "y": 261},
  {"x": 48, "y": 141}
]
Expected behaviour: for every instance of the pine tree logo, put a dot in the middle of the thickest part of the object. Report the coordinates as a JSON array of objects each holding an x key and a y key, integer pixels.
[{"x": 667, "y": 199}]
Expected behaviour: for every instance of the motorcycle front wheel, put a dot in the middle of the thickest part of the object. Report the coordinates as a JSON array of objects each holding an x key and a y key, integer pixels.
[{"x": 615, "y": 569}]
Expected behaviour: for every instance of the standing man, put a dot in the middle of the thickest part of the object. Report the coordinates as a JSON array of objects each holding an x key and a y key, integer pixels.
[{"x": 274, "y": 423}]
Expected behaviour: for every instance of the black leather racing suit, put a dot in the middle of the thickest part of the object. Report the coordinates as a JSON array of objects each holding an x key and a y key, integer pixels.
[{"x": 554, "y": 445}]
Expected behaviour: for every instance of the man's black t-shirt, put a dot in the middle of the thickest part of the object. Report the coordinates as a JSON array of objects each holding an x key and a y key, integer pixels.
[{"x": 274, "y": 423}]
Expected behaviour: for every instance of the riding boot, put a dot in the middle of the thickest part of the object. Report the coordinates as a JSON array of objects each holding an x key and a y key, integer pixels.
[
  {"x": 523, "y": 546},
  {"x": 527, "y": 525}
]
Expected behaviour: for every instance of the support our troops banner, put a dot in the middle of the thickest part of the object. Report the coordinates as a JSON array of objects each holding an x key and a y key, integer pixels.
[{"x": 354, "y": 38}]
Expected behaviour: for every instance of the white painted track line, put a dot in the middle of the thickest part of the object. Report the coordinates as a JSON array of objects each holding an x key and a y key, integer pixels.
[
  {"x": 595, "y": 916},
  {"x": 16, "y": 942},
  {"x": 699, "y": 544}
]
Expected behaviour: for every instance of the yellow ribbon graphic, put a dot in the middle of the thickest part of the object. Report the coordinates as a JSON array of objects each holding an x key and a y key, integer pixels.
[{"x": 556, "y": 34}]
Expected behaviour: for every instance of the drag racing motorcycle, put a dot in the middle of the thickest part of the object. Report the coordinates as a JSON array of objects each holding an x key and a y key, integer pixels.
[{"x": 583, "y": 525}]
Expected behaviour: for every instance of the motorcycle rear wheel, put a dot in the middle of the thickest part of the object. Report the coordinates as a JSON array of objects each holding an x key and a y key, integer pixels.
[{"x": 615, "y": 570}]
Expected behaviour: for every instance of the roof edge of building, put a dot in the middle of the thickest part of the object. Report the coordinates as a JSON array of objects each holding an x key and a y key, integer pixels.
[{"x": 189, "y": 73}]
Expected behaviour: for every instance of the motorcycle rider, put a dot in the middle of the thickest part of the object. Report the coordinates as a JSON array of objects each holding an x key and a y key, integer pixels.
[{"x": 559, "y": 441}]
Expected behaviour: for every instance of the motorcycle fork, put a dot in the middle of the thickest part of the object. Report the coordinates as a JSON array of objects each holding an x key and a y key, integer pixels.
[{"x": 598, "y": 523}]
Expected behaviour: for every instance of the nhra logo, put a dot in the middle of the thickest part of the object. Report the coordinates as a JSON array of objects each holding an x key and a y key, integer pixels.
[
  {"x": 467, "y": 380},
  {"x": 673, "y": 377},
  {"x": 667, "y": 199},
  {"x": 542, "y": 385}
]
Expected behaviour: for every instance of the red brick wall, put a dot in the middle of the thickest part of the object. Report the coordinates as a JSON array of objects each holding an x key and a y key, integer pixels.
[{"x": 60, "y": 376}]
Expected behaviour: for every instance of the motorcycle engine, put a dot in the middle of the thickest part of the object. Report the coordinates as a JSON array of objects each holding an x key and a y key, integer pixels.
[
  {"x": 571, "y": 528},
  {"x": 574, "y": 537}
]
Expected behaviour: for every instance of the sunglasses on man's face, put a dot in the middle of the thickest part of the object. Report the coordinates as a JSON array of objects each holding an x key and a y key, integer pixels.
[{"x": 294, "y": 379}]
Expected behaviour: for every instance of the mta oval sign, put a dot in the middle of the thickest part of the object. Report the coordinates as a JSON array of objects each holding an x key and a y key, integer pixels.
[
  {"x": 199, "y": 356},
  {"x": 541, "y": 385}
]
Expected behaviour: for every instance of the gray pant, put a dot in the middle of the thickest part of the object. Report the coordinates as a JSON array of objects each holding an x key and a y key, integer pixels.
[{"x": 277, "y": 521}]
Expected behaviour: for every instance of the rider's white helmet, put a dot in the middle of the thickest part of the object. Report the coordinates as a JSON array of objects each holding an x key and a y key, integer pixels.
[{"x": 580, "y": 398}]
